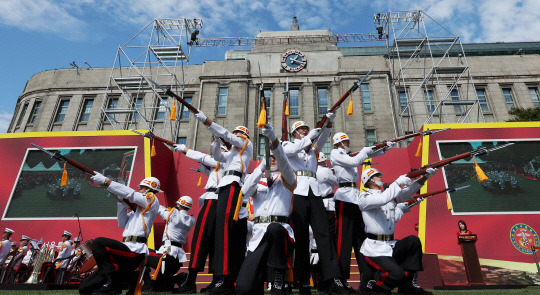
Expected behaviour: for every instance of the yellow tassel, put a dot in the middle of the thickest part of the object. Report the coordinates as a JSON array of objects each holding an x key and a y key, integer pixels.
[
  {"x": 262, "y": 119},
  {"x": 138, "y": 288},
  {"x": 287, "y": 109},
  {"x": 200, "y": 180},
  {"x": 448, "y": 203},
  {"x": 350, "y": 108},
  {"x": 153, "y": 149},
  {"x": 419, "y": 150},
  {"x": 64, "y": 181},
  {"x": 479, "y": 173},
  {"x": 173, "y": 112},
  {"x": 238, "y": 206},
  {"x": 158, "y": 267}
]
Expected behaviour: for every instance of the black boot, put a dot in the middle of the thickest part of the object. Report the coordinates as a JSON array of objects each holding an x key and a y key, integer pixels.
[
  {"x": 211, "y": 285},
  {"x": 304, "y": 288},
  {"x": 410, "y": 286},
  {"x": 337, "y": 288},
  {"x": 223, "y": 285},
  {"x": 278, "y": 287},
  {"x": 107, "y": 288},
  {"x": 188, "y": 286}
]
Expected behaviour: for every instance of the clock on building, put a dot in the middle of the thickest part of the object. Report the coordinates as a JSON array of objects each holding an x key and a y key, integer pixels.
[{"x": 293, "y": 60}]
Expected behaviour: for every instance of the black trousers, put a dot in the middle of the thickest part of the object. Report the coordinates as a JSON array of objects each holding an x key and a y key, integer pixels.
[
  {"x": 389, "y": 272},
  {"x": 332, "y": 224},
  {"x": 202, "y": 244},
  {"x": 271, "y": 253},
  {"x": 350, "y": 235},
  {"x": 309, "y": 210},
  {"x": 114, "y": 259},
  {"x": 164, "y": 281},
  {"x": 230, "y": 238}
]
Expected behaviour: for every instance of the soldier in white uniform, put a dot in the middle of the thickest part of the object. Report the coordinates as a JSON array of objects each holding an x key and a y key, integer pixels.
[
  {"x": 76, "y": 253},
  {"x": 272, "y": 236},
  {"x": 202, "y": 244},
  {"x": 395, "y": 263},
  {"x": 5, "y": 244},
  {"x": 349, "y": 224},
  {"x": 17, "y": 258},
  {"x": 308, "y": 208},
  {"x": 229, "y": 241},
  {"x": 116, "y": 260},
  {"x": 327, "y": 181},
  {"x": 64, "y": 253},
  {"x": 178, "y": 223}
]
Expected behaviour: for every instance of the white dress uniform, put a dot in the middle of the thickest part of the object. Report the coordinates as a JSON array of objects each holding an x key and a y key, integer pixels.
[
  {"x": 327, "y": 181},
  {"x": 5, "y": 248},
  {"x": 177, "y": 227},
  {"x": 214, "y": 173},
  {"x": 64, "y": 252}
]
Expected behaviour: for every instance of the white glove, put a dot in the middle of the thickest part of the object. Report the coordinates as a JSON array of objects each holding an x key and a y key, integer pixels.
[
  {"x": 98, "y": 179},
  {"x": 367, "y": 150},
  {"x": 262, "y": 165},
  {"x": 200, "y": 116},
  {"x": 314, "y": 259},
  {"x": 403, "y": 180},
  {"x": 313, "y": 133},
  {"x": 268, "y": 131},
  {"x": 430, "y": 172},
  {"x": 331, "y": 116},
  {"x": 179, "y": 147},
  {"x": 389, "y": 145}
]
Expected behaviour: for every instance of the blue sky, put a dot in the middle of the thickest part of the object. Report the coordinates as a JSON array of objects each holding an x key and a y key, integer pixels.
[{"x": 41, "y": 35}]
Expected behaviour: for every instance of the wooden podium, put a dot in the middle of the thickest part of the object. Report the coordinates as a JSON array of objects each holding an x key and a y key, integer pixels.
[{"x": 470, "y": 259}]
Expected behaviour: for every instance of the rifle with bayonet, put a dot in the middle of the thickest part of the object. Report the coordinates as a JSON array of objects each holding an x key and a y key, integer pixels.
[
  {"x": 56, "y": 155},
  {"x": 151, "y": 135},
  {"x": 418, "y": 199},
  {"x": 342, "y": 99},
  {"x": 263, "y": 121},
  {"x": 174, "y": 95},
  {"x": 285, "y": 113},
  {"x": 475, "y": 153}
]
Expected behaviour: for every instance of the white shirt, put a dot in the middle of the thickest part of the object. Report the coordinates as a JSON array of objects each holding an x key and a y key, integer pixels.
[
  {"x": 132, "y": 222},
  {"x": 177, "y": 227},
  {"x": 346, "y": 168},
  {"x": 234, "y": 161},
  {"x": 214, "y": 175},
  {"x": 300, "y": 160},
  {"x": 5, "y": 248},
  {"x": 77, "y": 253},
  {"x": 64, "y": 252},
  {"x": 327, "y": 181}
]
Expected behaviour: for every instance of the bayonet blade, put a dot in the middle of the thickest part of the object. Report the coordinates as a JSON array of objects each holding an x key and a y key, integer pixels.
[
  {"x": 55, "y": 155},
  {"x": 429, "y": 131},
  {"x": 461, "y": 187},
  {"x": 499, "y": 147},
  {"x": 364, "y": 78},
  {"x": 142, "y": 134},
  {"x": 159, "y": 86}
]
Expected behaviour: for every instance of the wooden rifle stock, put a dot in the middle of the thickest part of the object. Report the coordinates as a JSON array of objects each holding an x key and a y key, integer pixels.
[
  {"x": 182, "y": 101},
  {"x": 418, "y": 172},
  {"x": 427, "y": 195},
  {"x": 161, "y": 139}
]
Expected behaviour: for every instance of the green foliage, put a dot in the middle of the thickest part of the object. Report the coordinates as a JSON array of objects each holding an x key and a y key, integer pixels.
[{"x": 524, "y": 114}]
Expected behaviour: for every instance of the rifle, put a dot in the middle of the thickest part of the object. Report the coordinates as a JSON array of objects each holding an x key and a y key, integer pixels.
[
  {"x": 266, "y": 140},
  {"x": 478, "y": 152},
  {"x": 416, "y": 200},
  {"x": 342, "y": 99},
  {"x": 284, "y": 129},
  {"x": 151, "y": 135},
  {"x": 79, "y": 166},
  {"x": 172, "y": 94}
]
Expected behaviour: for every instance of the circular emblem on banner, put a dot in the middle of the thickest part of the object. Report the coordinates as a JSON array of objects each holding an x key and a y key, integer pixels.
[{"x": 523, "y": 237}]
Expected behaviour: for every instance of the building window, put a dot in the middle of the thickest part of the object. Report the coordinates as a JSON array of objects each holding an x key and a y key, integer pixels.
[
  {"x": 87, "y": 109},
  {"x": 23, "y": 112},
  {"x": 322, "y": 100},
  {"x": 268, "y": 97},
  {"x": 181, "y": 140},
  {"x": 262, "y": 146},
  {"x": 371, "y": 137},
  {"x": 327, "y": 149},
  {"x": 508, "y": 98},
  {"x": 482, "y": 99},
  {"x": 430, "y": 102},
  {"x": 366, "y": 97},
  {"x": 184, "y": 115},
  {"x": 35, "y": 111},
  {"x": 403, "y": 101},
  {"x": 294, "y": 102},
  {"x": 138, "y": 108},
  {"x": 112, "y": 105},
  {"x": 534, "y": 96},
  {"x": 222, "y": 101},
  {"x": 62, "y": 110},
  {"x": 162, "y": 109},
  {"x": 454, "y": 95}
]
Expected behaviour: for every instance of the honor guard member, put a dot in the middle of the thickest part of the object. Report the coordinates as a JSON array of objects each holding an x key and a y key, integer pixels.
[
  {"x": 171, "y": 255},
  {"x": 202, "y": 244},
  {"x": 116, "y": 260},
  {"x": 349, "y": 225},
  {"x": 76, "y": 253},
  {"x": 17, "y": 259},
  {"x": 395, "y": 263},
  {"x": 5, "y": 244},
  {"x": 272, "y": 236},
  {"x": 308, "y": 207},
  {"x": 327, "y": 181},
  {"x": 228, "y": 241},
  {"x": 62, "y": 260}
]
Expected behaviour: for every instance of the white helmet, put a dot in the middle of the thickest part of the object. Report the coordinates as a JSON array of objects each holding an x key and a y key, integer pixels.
[
  {"x": 339, "y": 137},
  {"x": 151, "y": 183},
  {"x": 297, "y": 125},
  {"x": 368, "y": 173},
  {"x": 185, "y": 201},
  {"x": 242, "y": 129},
  {"x": 322, "y": 157}
]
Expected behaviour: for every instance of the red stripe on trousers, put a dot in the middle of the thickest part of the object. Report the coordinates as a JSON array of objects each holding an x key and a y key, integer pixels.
[
  {"x": 340, "y": 230},
  {"x": 208, "y": 204},
  {"x": 377, "y": 267},
  {"x": 226, "y": 230}
]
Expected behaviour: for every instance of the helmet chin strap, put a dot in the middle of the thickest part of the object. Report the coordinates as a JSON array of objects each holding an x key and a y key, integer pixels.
[
  {"x": 300, "y": 134},
  {"x": 379, "y": 183}
]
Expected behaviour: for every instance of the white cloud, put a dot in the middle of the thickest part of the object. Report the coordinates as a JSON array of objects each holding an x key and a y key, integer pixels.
[{"x": 5, "y": 119}]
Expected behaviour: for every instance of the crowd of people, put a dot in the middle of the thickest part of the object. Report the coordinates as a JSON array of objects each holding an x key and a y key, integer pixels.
[{"x": 297, "y": 212}]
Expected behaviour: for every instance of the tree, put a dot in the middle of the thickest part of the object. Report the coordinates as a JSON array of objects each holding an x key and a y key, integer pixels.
[{"x": 525, "y": 114}]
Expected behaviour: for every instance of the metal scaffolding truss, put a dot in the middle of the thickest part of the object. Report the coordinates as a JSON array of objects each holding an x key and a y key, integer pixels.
[
  {"x": 430, "y": 77},
  {"x": 156, "y": 53}
]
